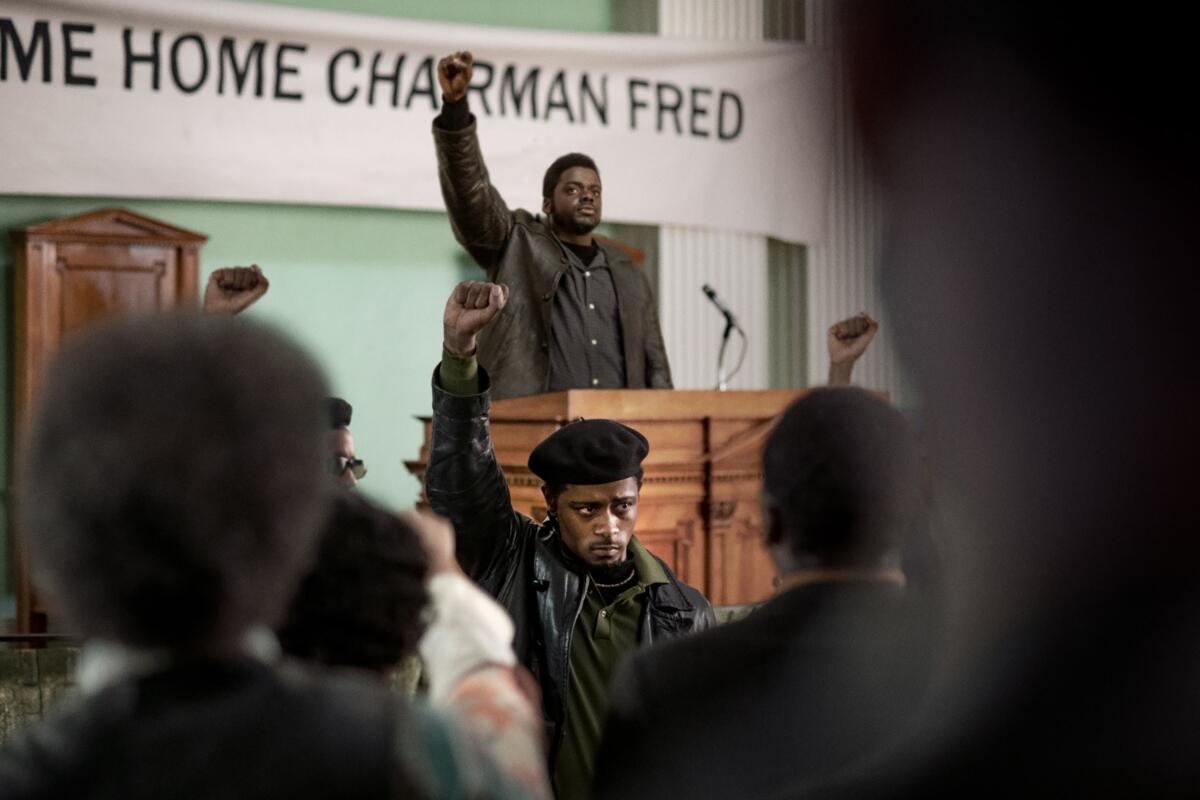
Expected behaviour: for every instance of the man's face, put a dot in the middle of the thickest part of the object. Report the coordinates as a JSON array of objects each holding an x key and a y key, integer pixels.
[
  {"x": 576, "y": 201},
  {"x": 341, "y": 444},
  {"x": 596, "y": 522}
]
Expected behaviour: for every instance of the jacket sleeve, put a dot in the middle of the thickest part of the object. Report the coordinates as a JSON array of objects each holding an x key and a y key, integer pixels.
[
  {"x": 658, "y": 369},
  {"x": 478, "y": 215},
  {"x": 464, "y": 483}
]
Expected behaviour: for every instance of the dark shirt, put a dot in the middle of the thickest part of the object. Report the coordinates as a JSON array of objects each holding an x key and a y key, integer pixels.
[
  {"x": 606, "y": 629},
  {"x": 585, "y": 331}
]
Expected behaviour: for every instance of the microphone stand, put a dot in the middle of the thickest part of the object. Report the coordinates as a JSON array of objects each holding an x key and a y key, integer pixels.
[
  {"x": 722, "y": 378},
  {"x": 730, "y": 326}
]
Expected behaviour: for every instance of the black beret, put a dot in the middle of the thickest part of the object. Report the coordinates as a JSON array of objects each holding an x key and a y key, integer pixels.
[
  {"x": 588, "y": 452},
  {"x": 339, "y": 413}
]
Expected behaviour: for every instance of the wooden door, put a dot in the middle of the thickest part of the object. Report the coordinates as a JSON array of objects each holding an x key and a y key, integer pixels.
[{"x": 71, "y": 273}]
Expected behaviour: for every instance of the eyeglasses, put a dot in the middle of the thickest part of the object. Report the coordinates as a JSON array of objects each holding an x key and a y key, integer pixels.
[{"x": 340, "y": 464}]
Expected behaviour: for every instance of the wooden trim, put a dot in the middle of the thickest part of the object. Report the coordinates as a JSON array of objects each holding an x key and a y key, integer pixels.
[
  {"x": 632, "y": 405},
  {"x": 187, "y": 289},
  {"x": 103, "y": 226}
]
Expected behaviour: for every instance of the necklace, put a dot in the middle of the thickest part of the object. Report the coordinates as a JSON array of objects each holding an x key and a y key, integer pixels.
[{"x": 621, "y": 582}]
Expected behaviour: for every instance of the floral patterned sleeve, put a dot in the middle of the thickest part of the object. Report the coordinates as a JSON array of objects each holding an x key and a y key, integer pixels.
[{"x": 493, "y": 736}]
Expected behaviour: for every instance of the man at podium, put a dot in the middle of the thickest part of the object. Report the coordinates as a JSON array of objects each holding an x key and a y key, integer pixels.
[
  {"x": 580, "y": 315},
  {"x": 581, "y": 589}
]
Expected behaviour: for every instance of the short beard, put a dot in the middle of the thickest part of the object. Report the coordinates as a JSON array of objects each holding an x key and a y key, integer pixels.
[
  {"x": 580, "y": 228},
  {"x": 573, "y": 227}
]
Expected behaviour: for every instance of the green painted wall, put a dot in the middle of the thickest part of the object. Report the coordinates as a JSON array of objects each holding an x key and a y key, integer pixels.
[
  {"x": 362, "y": 289},
  {"x": 594, "y": 16}
]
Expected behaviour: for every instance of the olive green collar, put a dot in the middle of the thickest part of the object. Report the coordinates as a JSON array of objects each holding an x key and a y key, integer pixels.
[{"x": 649, "y": 570}]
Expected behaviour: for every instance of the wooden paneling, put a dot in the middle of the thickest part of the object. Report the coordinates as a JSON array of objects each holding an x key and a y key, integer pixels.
[
  {"x": 699, "y": 509},
  {"x": 71, "y": 273}
]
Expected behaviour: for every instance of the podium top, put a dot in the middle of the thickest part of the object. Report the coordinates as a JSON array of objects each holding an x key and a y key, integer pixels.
[{"x": 646, "y": 404}]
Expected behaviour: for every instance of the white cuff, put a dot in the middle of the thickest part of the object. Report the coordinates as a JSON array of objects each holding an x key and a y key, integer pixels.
[{"x": 468, "y": 630}]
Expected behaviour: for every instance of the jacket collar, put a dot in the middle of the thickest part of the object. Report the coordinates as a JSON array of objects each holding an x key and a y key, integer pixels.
[{"x": 649, "y": 570}]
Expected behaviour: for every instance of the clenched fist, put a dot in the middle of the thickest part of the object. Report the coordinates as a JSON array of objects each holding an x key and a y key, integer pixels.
[
  {"x": 471, "y": 306},
  {"x": 232, "y": 290},
  {"x": 847, "y": 340},
  {"x": 454, "y": 75}
]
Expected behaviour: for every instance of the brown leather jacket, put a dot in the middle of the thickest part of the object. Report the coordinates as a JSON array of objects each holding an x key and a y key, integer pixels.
[{"x": 520, "y": 250}]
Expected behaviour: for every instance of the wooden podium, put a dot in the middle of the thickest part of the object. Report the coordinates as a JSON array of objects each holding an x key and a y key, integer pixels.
[{"x": 699, "y": 509}]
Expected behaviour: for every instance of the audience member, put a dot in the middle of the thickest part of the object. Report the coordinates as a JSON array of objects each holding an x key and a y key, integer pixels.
[
  {"x": 1039, "y": 177},
  {"x": 231, "y": 290},
  {"x": 363, "y": 604},
  {"x": 580, "y": 586},
  {"x": 809, "y": 682},
  {"x": 344, "y": 464},
  {"x": 170, "y": 494}
]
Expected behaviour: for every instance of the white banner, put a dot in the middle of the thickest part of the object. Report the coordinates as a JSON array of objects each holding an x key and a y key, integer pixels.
[{"x": 229, "y": 101}]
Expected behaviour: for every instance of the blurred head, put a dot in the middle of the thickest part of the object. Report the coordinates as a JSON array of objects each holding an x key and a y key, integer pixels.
[
  {"x": 363, "y": 603},
  {"x": 344, "y": 463},
  {"x": 172, "y": 481},
  {"x": 593, "y": 474},
  {"x": 841, "y": 481},
  {"x": 1043, "y": 309},
  {"x": 571, "y": 194}
]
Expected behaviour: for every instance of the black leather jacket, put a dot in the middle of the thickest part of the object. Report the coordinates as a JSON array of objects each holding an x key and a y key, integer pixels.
[
  {"x": 520, "y": 250},
  {"x": 522, "y": 563}
]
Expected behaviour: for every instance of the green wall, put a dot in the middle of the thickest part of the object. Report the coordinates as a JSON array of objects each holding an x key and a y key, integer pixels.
[{"x": 362, "y": 289}]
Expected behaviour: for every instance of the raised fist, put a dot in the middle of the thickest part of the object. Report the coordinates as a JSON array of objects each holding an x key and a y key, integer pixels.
[
  {"x": 471, "y": 306},
  {"x": 454, "y": 75},
  {"x": 232, "y": 290},
  {"x": 847, "y": 340}
]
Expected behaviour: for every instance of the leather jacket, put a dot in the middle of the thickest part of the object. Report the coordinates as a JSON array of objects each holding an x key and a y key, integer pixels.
[
  {"x": 523, "y": 563},
  {"x": 521, "y": 251}
]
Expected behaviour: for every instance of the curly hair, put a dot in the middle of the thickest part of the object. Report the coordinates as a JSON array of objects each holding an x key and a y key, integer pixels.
[
  {"x": 172, "y": 484},
  {"x": 363, "y": 603},
  {"x": 843, "y": 468},
  {"x": 561, "y": 164}
]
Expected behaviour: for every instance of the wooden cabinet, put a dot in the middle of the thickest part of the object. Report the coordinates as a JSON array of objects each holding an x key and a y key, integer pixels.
[
  {"x": 700, "y": 508},
  {"x": 71, "y": 272}
]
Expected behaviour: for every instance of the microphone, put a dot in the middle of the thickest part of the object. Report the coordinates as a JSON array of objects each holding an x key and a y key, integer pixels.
[
  {"x": 730, "y": 326},
  {"x": 712, "y": 296}
]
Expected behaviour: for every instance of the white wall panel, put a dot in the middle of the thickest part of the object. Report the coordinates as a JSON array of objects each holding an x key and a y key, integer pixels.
[
  {"x": 735, "y": 265},
  {"x": 711, "y": 19},
  {"x": 843, "y": 270}
]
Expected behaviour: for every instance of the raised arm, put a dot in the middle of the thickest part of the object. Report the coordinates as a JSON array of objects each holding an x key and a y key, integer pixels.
[
  {"x": 231, "y": 290},
  {"x": 478, "y": 215},
  {"x": 474, "y": 675},
  {"x": 463, "y": 481},
  {"x": 847, "y": 341}
]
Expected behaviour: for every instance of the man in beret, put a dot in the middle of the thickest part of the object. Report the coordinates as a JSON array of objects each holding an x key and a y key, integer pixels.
[
  {"x": 580, "y": 587},
  {"x": 346, "y": 467}
]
